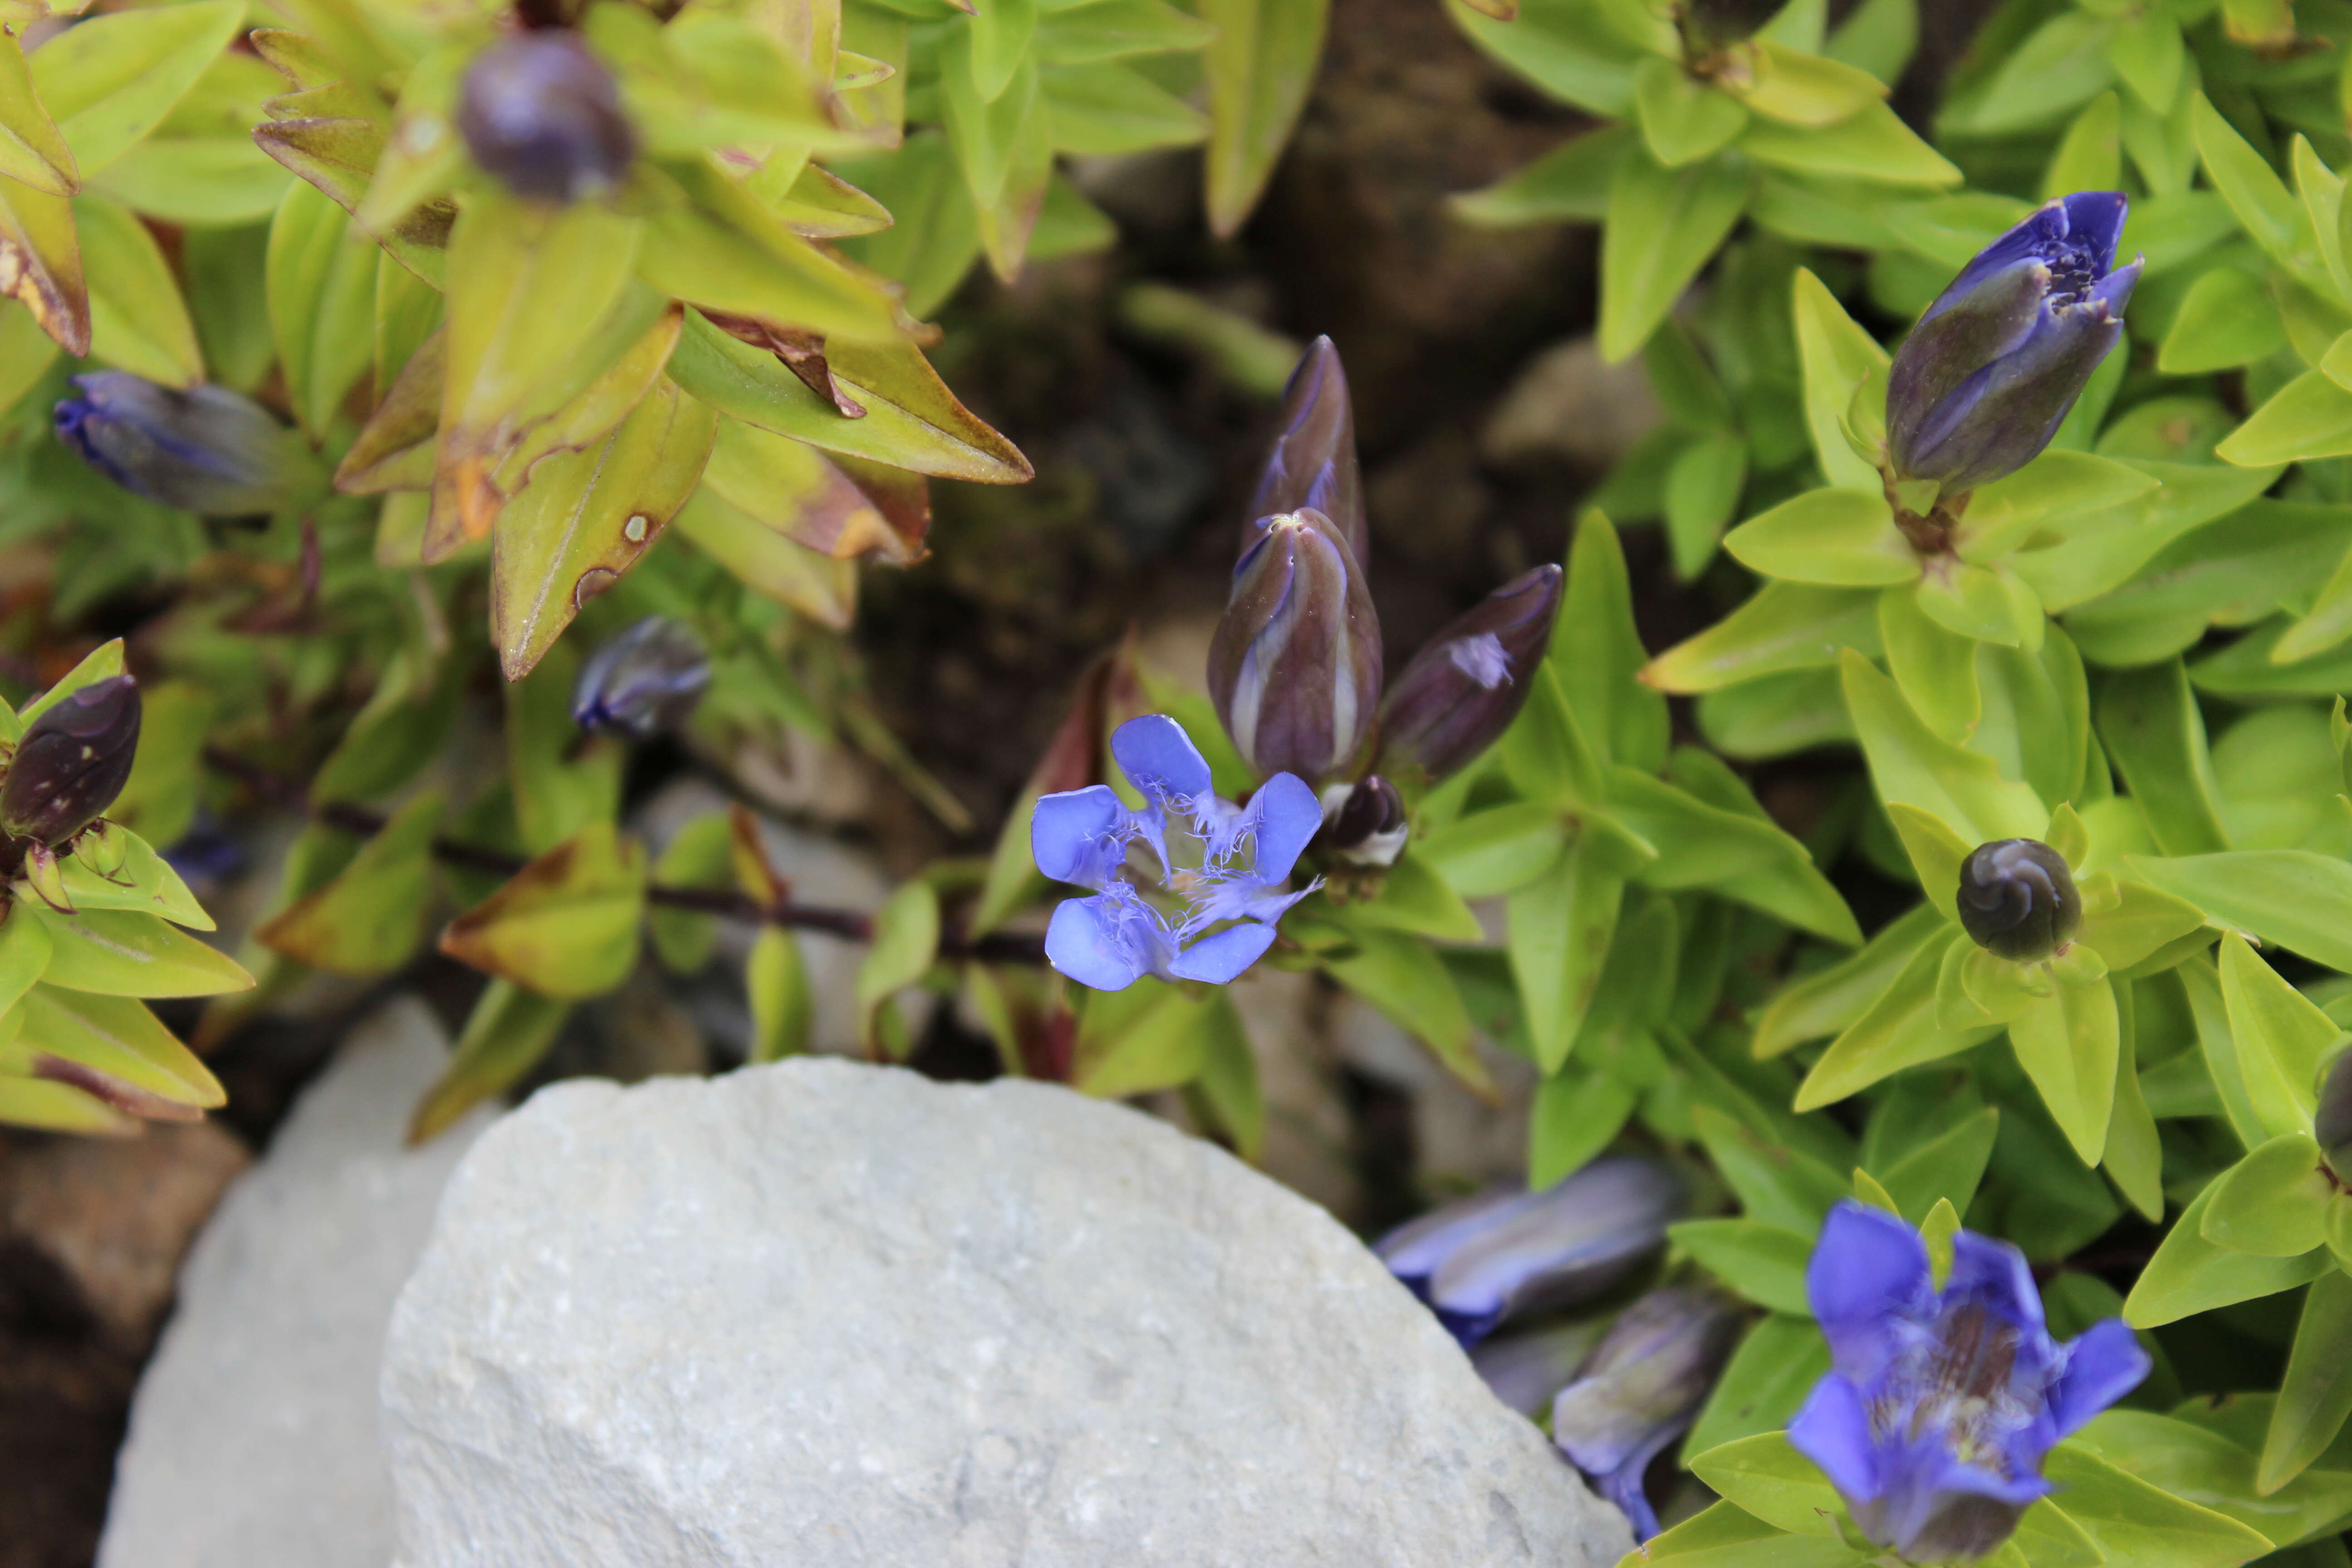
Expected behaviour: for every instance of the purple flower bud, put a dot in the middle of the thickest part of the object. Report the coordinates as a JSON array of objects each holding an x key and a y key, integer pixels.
[
  {"x": 1940, "y": 1406},
  {"x": 2017, "y": 900},
  {"x": 207, "y": 450},
  {"x": 1504, "y": 1253},
  {"x": 1468, "y": 682},
  {"x": 1313, "y": 463},
  {"x": 543, "y": 115},
  {"x": 1641, "y": 1390},
  {"x": 2331, "y": 1124},
  {"x": 1295, "y": 668},
  {"x": 1366, "y": 821},
  {"x": 1982, "y": 384},
  {"x": 646, "y": 679},
  {"x": 71, "y": 762},
  {"x": 1528, "y": 1371}
]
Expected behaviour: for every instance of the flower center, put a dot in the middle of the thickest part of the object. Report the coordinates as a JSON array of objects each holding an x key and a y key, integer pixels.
[
  {"x": 2074, "y": 269},
  {"x": 1953, "y": 1385}
]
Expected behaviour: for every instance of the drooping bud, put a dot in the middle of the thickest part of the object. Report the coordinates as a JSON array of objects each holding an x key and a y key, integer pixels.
[
  {"x": 1468, "y": 682},
  {"x": 1487, "y": 1258},
  {"x": 2018, "y": 899},
  {"x": 1365, "y": 822},
  {"x": 1313, "y": 463},
  {"x": 1642, "y": 1388},
  {"x": 1295, "y": 668},
  {"x": 71, "y": 762},
  {"x": 1980, "y": 386},
  {"x": 207, "y": 450},
  {"x": 2331, "y": 1124},
  {"x": 543, "y": 114},
  {"x": 642, "y": 679}
]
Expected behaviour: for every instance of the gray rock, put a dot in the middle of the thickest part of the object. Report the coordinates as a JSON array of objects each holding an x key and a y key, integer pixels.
[
  {"x": 253, "y": 1438},
  {"x": 823, "y": 1314}
]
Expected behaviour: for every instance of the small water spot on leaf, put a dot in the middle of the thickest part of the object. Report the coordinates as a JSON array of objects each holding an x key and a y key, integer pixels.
[{"x": 634, "y": 529}]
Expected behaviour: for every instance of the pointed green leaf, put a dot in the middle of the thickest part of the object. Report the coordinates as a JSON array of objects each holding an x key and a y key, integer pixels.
[
  {"x": 1259, "y": 69},
  {"x": 2274, "y": 1202},
  {"x": 507, "y": 1033},
  {"x": 2190, "y": 1274},
  {"x": 1663, "y": 225}
]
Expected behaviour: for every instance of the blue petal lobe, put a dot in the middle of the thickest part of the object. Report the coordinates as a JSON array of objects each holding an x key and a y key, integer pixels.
[
  {"x": 1289, "y": 815},
  {"x": 2103, "y": 1363},
  {"x": 1832, "y": 1430},
  {"x": 1074, "y": 834},
  {"x": 1087, "y": 941},
  {"x": 1155, "y": 753},
  {"x": 1219, "y": 959},
  {"x": 1867, "y": 1267}
]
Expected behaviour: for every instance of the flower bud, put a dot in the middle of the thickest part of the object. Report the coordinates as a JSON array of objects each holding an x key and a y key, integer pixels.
[
  {"x": 1527, "y": 1372},
  {"x": 71, "y": 762},
  {"x": 1313, "y": 463},
  {"x": 1642, "y": 1388},
  {"x": 1295, "y": 668},
  {"x": 1504, "y": 1253},
  {"x": 1365, "y": 822},
  {"x": 543, "y": 115},
  {"x": 646, "y": 679},
  {"x": 1983, "y": 381},
  {"x": 1468, "y": 682},
  {"x": 2331, "y": 1125},
  {"x": 2018, "y": 901},
  {"x": 207, "y": 450}
]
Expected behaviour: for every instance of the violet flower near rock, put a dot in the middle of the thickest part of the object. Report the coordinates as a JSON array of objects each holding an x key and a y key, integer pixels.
[
  {"x": 641, "y": 679},
  {"x": 1641, "y": 1389},
  {"x": 1940, "y": 1406},
  {"x": 1221, "y": 884}
]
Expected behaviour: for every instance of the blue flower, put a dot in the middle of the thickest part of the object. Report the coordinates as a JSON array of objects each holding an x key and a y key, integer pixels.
[
  {"x": 1940, "y": 1404},
  {"x": 207, "y": 450},
  {"x": 1642, "y": 1388},
  {"x": 1982, "y": 384},
  {"x": 1225, "y": 882}
]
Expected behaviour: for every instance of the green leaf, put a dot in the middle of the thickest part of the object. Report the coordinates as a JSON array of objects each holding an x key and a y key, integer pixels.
[
  {"x": 25, "y": 948},
  {"x": 905, "y": 943},
  {"x": 2309, "y": 417},
  {"x": 699, "y": 855},
  {"x": 1946, "y": 1167},
  {"x": 321, "y": 289},
  {"x": 2193, "y": 1461},
  {"x": 138, "y": 322},
  {"x": 507, "y": 1033},
  {"x": 2090, "y": 156},
  {"x": 2067, "y": 1042},
  {"x": 1683, "y": 118},
  {"x": 111, "y": 1047},
  {"x": 1767, "y": 1477},
  {"x": 1259, "y": 69},
  {"x": 565, "y": 925},
  {"x": 1662, "y": 226},
  {"x": 937, "y": 236},
  {"x": 2060, "y": 64},
  {"x": 1596, "y": 653},
  {"x": 1546, "y": 753},
  {"x": 2226, "y": 320},
  {"x": 1800, "y": 87},
  {"x": 1874, "y": 147},
  {"x": 1739, "y": 853},
  {"x": 1575, "y": 1116},
  {"x": 2300, "y": 900},
  {"x": 2316, "y": 1394},
  {"x": 2247, "y": 182},
  {"x": 1560, "y": 927},
  {"x": 1727, "y": 1536},
  {"x": 1785, "y": 627},
  {"x": 2102, "y": 550},
  {"x": 556, "y": 792},
  {"x": 1108, "y": 109},
  {"x": 1898, "y": 1030},
  {"x": 2154, "y": 735},
  {"x": 1496, "y": 851},
  {"x": 721, "y": 248},
  {"x": 1934, "y": 667},
  {"x": 777, "y": 983},
  {"x": 371, "y": 918},
  {"x": 38, "y": 240},
  {"x": 1112, "y": 29},
  {"x": 112, "y": 868},
  {"x": 1570, "y": 182},
  {"x": 1840, "y": 538},
  {"x": 1831, "y": 1000},
  {"x": 2190, "y": 1274},
  {"x": 1765, "y": 1383},
  {"x": 110, "y": 81},
  {"x": 1911, "y": 765},
  {"x": 124, "y": 953},
  {"x": 2048, "y": 492},
  {"x": 31, "y": 149},
  {"x": 2280, "y": 1038},
  {"x": 1789, "y": 885},
  {"x": 1404, "y": 977},
  {"x": 1765, "y": 1263},
  {"x": 2134, "y": 1522},
  {"x": 1001, "y": 35},
  {"x": 1147, "y": 1039},
  {"x": 1837, "y": 356},
  {"x": 1776, "y": 1185},
  {"x": 1412, "y": 897},
  {"x": 2134, "y": 923},
  {"x": 2274, "y": 1202}
]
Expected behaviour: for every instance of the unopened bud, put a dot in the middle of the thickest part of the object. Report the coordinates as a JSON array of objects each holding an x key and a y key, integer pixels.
[
  {"x": 71, "y": 762},
  {"x": 2331, "y": 1124},
  {"x": 1365, "y": 821},
  {"x": 1641, "y": 1390},
  {"x": 1313, "y": 463},
  {"x": 207, "y": 450},
  {"x": 543, "y": 116},
  {"x": 644, "y": 679},
  {"x": 2018, "y": 901},
  {"x": 1468, "y": 682},
  {"x": 1295, "y": 668}
]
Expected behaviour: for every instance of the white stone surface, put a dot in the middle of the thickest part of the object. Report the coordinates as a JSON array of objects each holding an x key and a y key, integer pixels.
[
  {"x": 252, "y": 1438},
  {"x": 817, "y": 1315}
]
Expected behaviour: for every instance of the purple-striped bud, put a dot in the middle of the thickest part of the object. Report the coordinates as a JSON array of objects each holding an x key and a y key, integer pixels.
[
  {"x": 207, "y": 450},
  {"x": 2331, "y": 1124},
  {"x": 1980, "y": 386},
  {"x": 1313, "y": 463},
  {"x": 543, "y": 115},
  {"x": 2018, "y": 901},
  {"x": 1641, "y": 1390},
  {"x": 71, "y": 762},
  {"x": 642, "y": 679},
  {"x": 1295, "y": 668},
  {"x": 1505, "y": 1253},
  {"x": 1468, "y": 682}
]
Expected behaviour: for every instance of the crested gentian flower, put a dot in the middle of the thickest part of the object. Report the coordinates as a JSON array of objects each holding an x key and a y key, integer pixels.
[
  {"x": 541, "y": 113},
  {"x": 1980, "y": 386},
  {"x": 1940, "y": 1404},
  {"x": 1295, "y": 667},
  {"x": 1313, "y": 463},
  {"x": 2018, "y": 901},
  {"x": 1226, "y": 878},
  {"x": 1642, "y": 1388},
  {"x": 71, "y": 762},
  {"x": 207, "y": 450},
  {"x": 1469, "y": 681},
  {"x": 640, "y": 680},
  {"x": 1506, "y": 1252}
]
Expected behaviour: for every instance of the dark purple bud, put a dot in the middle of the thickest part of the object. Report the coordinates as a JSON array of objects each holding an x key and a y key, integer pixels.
[
  {"x": 2331, "y": 1125},
  {"x": 1508, "y": 1253},
  {"x": 644, "y": 679},
  {"x": 1313, "y": 463},
  {"x": 1983, "y": 381},
  {"x": 2018, "y": 899},
  {"x": 71, "y": 762},
  {"x": 1468, "y": 682},
  {"x": 1367, "y": 821},
  {"x": 1295, "y": 668},
  {"x": 543, "y": 115},
  {"x": 207, "y": 450},
  {"x": 1641, "y": 1390}
]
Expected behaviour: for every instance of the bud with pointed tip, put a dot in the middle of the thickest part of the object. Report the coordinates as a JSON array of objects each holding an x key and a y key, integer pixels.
[
  {"x": 2018, "y": 901},
  {"x": 207, "y": 450},
  {"x": 543, "y": 114},
  {"x": 1313, "y": 463},
  {"x": 1469, "y": 681},
  {"x": 2331, "y": 1124},
  {"x": 1295, "y": 668},
  {"x": 1365, "y": 822},
  {"x": 71, "y": 762},
  {"x": 1642, "y": 1388},
  {"x": 642, "y": 679},
  {"x": 1980, "y": 386}
]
